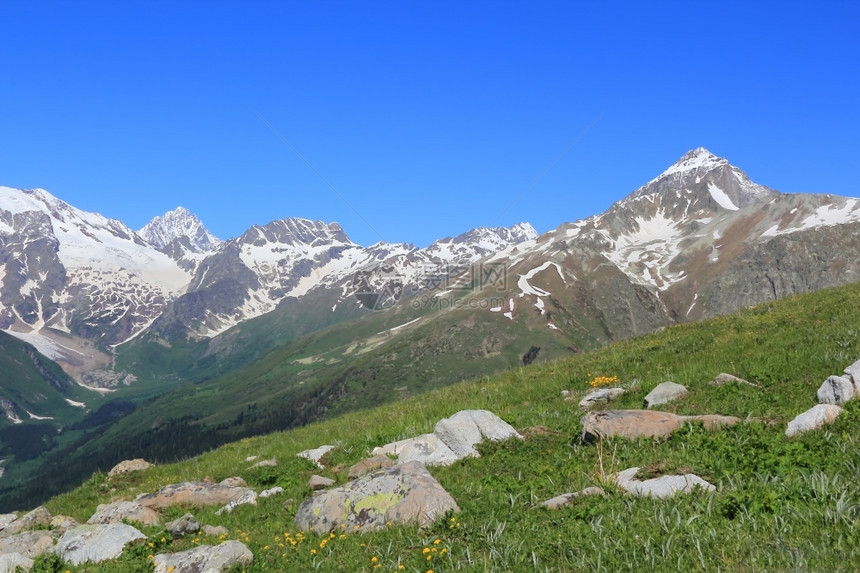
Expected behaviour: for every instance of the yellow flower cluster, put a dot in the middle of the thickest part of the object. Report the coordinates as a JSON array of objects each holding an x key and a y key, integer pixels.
[{"x": 603, "y": 381}]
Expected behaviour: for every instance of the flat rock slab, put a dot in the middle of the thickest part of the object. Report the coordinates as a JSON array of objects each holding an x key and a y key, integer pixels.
[
  {"x": 127, "y": 466},
  {"x": 722, "y": 379},
  {"x": 403, "y": 494},
  {"x": 453, "y": 439},
  {"x": 660, "y": 487},
  {"x": 665, "y": 392},
  {"x": 29, "y": 544},
  {"x": 118, "y": 511},
  {"x": 205, "y": 558},
  {"x": 566, "y": 499},
  {"x": 426, "y": 448},
  {"x": 317, "y": 483},
  {"x": 96, "y": 543},
  {"x": 629, "y": 424},
  {"x": 813, "y": 419},
  {"x": 836, "y": 390},
  {"x": 193, "y": 493},
  {"x": 600, "y": 396},
  {"x": 316, "y": 454}
]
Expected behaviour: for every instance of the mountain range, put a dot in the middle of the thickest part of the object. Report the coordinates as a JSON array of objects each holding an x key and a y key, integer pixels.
[{"x": 178, "y": 341}]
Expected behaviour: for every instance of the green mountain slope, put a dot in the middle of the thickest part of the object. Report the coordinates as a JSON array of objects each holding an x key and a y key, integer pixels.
[{"x": 781, "y": 504}]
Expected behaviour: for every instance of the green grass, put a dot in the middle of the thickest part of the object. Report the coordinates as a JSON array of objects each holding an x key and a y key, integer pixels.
[{"x": 781, "y": 504}]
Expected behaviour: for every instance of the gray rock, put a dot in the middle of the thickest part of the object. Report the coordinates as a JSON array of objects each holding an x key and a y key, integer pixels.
[
  {"x": 272, "y": 463},
  {"x": 853, "y": 374},
  {"x": 182, "y": 526},
  {"x": 663, "y": 393},
  {"x": 599, "y": 396},
  {"x": 62, "y": 523},
  {"x": 316, "y": 454},
  {"x": 126, "y": 466},
  {"x": 426, "y": 448},
  {"x": 317, "y": 483},
  {"x": 566, "y": 499},
  {"x": 813, "y": 419},
  {"x": 234, "y": 481},
  {"x": 271, "y": 491},
  {"x": 215, "y": 530},
  {"x": 6, "y": 519},
  {"x": 35, "y": 518},
  {"x": 96, "y": 543},
  {"x": 724, "y": 378},
  {"x": 402, "y": 494},
  {"x": 630, "y": 424},
  {"x": 10, "y": 562},
  {"x": 205, "y": 558},
  {"x": 836, "y": 390},
  {"x": 247, "y": 498},
  {"x": 192, "y": 493},
  {"x": 29, "y": 544},
  {"x": 467, "y": 428},
  {"x": 118, "y": 511},
  {"x": 660, "y": 487},
  {"x": 367, "y": 465}
]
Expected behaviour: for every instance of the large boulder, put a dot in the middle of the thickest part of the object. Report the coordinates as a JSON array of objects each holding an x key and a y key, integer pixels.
[
  {"x": 96, "y": 543},
  {"x": 630, "y": 424},
  {"x": 29, "y": 544},
  {"x": 193, "y": 493},
  {"x": 660, "y": 487},
  {"x": 813, "y": 419},
  {"x": 205, "y": 559},
  {"x": 128, "y": 466},
  {"x": 664, "y": 393},
  {"x": 402, "y": 494},
  {"x": 119, "y": 511},
  {"x": 836, "y": 390}
]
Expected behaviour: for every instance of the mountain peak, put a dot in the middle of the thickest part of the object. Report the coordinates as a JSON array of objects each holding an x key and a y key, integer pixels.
[
  {"x": 175, "y": 224},
  {"x": 695, "y": 160}
]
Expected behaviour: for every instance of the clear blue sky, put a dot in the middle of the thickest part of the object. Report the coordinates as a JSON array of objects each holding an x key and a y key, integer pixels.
[{"x": 428, "y": 117}]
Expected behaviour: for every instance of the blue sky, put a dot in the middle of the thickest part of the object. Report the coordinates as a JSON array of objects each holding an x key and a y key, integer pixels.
[{"x": 429, "y": 118}]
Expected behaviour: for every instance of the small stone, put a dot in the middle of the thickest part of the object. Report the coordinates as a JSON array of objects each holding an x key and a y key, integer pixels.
[
  {"x": 665, "y": 392},
  {"x": 248, "y": 498},
  {"x": 127, "y": 466},
  {"x": 266, "y": 464},
  {"x": 271, "y": 491},
  {"x": 317, "y": 483},
  {"x": 215, "y": 530},
  {"x": 599, "y": 396},
  {"x": 182, "y": 526},
  {"x": 234, "y": 481},
  {"x": 660, "y": 487},
  {"x": 723, "y": 378},
  {"x": 566, "y": 499},
  {"x": 813, "y": 419},
  {"x": 836, "y": 390}
]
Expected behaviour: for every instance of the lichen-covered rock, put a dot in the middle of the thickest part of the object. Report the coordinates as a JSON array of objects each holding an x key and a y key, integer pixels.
[
  {"x": 96, "y": 543},
  {"x": 836, "y": 390},
  {"x": 119, "y": 511},
  {"x": 192, "y": 493},
  {"x": 660, "y": 487},
  {"x": 813, "y": 419},
  {"x": 402, "y": 494},
  {"x": 126, "y": 466},
  {"x": 367, "y": 465},
  {"x": 665, "y": 392},
  {"x": 630, "y": 424},
  {"x": 205, "y": 559}
]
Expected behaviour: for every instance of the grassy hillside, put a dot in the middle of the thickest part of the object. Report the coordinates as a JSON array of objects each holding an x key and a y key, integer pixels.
[{"x": 781, "y": 504}]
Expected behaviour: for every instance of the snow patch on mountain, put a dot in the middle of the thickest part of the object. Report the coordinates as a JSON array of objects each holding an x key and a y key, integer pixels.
[{"x": 722, "y": 199}]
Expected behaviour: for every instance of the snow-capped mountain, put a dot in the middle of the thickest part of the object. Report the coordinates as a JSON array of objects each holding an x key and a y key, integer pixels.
[
  {"x": 699, "y": 240},
  {"x": 77, "y": 284}
]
